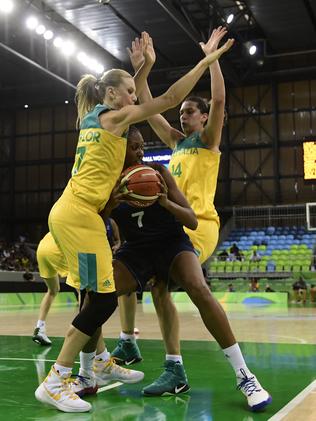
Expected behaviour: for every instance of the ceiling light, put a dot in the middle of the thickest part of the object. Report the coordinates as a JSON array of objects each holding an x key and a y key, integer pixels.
[
  {"x": 230, "y": 18},
  {"x": 58, "y": 42},
  {"x": 26, "y": 106},
  {"x": 82, "y": 57},
  {"x": 92, "y": 63},
  {"x": 6, "y": 6},
  {"x": 48, "y": 35},
  {"x": 31, "y": 22},
  {"x": 252, "y": 50},
  {"x": 66, "y": 101},
  {"x": 68, "y": 48},
  {"x": 40, "y": 29},
  {"x": 99, "y": 68}
]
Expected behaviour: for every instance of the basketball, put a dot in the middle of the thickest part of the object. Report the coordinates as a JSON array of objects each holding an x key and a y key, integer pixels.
[{"x": 143, "y": 181}]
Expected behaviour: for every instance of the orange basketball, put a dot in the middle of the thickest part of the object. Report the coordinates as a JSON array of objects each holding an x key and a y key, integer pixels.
[{"x": 143, "y": 181}]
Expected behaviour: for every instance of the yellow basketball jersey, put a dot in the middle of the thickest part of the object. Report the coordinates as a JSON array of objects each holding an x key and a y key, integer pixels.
[
  {"x": 99, "y": 161},
  {"x": 195, "y": 170}
]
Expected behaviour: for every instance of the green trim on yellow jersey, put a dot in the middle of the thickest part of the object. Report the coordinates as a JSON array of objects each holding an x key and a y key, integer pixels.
[
  {"x": 190, "y": 142},
  {"x": 91, "y": 119}
]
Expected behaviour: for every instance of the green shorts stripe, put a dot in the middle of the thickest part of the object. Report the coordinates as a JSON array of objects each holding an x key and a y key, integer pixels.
[{"x": 88, "y": 271}]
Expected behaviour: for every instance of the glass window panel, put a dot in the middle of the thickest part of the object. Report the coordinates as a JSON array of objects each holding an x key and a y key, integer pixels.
[
  {"x": 45, "y": 173},
  {"x": 33, "y": 143},
  {"x": 46, "y": 120},
  {"x": 71, "y": 144},
  {"x": 60, "y": 176},
  {"x": 301, "y": 97},
  {"x": 34, "y": 121},
  {"x": 286, "y": 126},
  {"x": 60, "y": 145},
  {"x": 21, "y": 146},
  {"x": 286, "y": 96},
  {"x": 22, "y": 122},
  {"x": 45, "y": 145},
  {"x": 20, "y": 178},
  {"x": 32, "y": 177}
]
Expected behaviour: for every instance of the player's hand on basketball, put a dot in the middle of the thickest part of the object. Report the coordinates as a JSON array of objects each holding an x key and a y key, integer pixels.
[
  {"x": 215, "y": 55},
  {"x": 215, "y": 38},
  {"x": 136, "y": 54},
  {"x": 115, "y": 248},
  {"x": 148, "y": 48},
  {"x": 163, "y": 195},
  {"x": 119, "y": 195}
]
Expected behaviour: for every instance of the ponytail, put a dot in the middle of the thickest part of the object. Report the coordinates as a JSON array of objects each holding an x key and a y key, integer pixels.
[
  {"x": 91, "y": 91},
  {"x": 87, "y": 96}
]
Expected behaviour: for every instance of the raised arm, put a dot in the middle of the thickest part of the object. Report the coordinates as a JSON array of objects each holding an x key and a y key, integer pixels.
[
  {"x": 158, "y": 123},
  {"x": 145, "y": 57},
  {"x": 118, "y": 121},
  {"x": 212, "y": 132}
]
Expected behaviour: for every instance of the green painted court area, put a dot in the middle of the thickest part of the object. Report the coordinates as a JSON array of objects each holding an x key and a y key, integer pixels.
[{"x": 282, "y": 368}]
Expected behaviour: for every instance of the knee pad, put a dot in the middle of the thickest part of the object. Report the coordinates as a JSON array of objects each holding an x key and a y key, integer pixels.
[{"x": 96, "y": 312}]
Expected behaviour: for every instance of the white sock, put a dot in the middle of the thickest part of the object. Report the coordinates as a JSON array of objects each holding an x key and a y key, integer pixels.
[
  {"x": 86, "y": 364},
  {"x": 103, "y": 356},
  {"x": 236, "y": 359},
  {"x": 125, "y": 336},
  {"x": 62, "y": 370},
  {"x": 175, "y": 358},
  {"x": 41, "y": 324}
]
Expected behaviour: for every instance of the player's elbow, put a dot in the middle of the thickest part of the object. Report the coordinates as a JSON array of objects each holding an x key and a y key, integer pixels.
[{"x": 193, "y": 222}]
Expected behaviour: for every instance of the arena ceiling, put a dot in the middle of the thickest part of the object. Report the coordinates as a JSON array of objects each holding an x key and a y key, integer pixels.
[{"x": 34, "y": 71}]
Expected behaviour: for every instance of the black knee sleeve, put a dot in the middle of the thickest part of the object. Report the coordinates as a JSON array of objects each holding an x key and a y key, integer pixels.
[{"x": 98, "y": 310}]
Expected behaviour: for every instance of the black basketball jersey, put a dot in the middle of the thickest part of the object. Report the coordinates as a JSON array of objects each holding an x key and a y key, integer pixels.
[{"x": 143, "y": 226}]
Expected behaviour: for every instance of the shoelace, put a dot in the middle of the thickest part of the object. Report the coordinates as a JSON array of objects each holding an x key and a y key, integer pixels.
[
  {"x": 248, "y": 384},
  {"x": 66, "y": 388},
  {"x": 111, "y": 363},
  {"x": 74, "y": 378}
]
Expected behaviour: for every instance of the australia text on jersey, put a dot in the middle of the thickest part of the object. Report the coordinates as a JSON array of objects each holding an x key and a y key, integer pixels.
[{"x": 186, "y": 151}]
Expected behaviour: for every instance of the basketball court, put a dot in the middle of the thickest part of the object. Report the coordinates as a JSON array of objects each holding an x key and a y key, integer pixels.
[
  {"x": 267, "y": 177},
  {"x": 278, "y": 343}
]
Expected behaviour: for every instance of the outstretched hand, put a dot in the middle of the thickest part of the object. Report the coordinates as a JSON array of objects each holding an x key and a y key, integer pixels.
[
  {"x": 215, "y": 55},
  {"x": 215, "y": 38},
  {"x": 142, "y": 51}
]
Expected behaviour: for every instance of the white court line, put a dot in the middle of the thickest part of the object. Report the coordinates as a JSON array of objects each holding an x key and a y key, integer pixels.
[
  {"x": 293, "y": 403},
  {"x": 110, "y": 386},
  {"x": 299, "y": 340},
  {"x": 31, "y": 359}
]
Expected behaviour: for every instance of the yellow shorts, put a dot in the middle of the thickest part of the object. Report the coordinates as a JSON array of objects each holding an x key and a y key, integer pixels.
[
  {"x": 50, "y": 259},
  {"x": 204, "y": 238},
  {"x": 80, "y": 234}
]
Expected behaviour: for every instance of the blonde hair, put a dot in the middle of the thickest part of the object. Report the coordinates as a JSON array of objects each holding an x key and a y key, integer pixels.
[{"x": 91, "y": 91}]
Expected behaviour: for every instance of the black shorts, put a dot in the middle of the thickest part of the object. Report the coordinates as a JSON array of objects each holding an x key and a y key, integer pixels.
[{"x": 148, "y": 261}]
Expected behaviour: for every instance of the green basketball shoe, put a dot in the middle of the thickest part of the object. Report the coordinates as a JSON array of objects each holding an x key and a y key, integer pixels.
[
  {"x": 171, "y": 382},
  {"x": 126, "y": 352}
]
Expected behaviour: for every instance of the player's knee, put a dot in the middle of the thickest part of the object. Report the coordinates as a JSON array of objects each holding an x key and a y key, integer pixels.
[
  {"x": 196, "y": 289},
  {"x": 53, "y": 289},
  {"x": 53, "y": 292},
  {"x": 96, "y": 312}
]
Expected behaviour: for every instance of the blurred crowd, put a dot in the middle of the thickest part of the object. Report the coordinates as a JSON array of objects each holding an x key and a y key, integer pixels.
[{"x": 17, "y": 256}]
